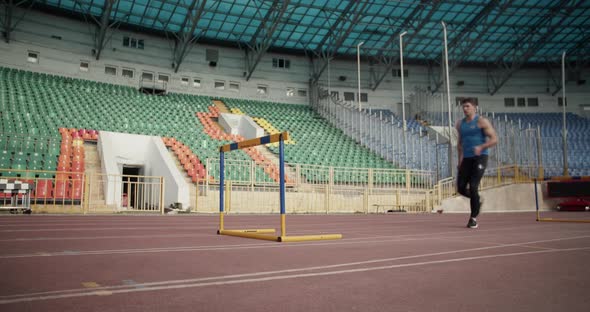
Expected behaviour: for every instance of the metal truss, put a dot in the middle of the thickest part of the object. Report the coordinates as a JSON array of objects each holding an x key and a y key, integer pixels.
[
  {"x": 461, "y": 45},
  {"x": 7, "y": 18},
  {"x": 503, "y": 35},
  {"x": 386, "y": 63},
  {"x": 184, "y": 38},
  {"x": 103, "y": 26},
  {"x": 255, "y": 49},
  {"x": 576, "y": 61},
  {"x": 527, "y": 46},
  {"x": 333, "y": 40}
]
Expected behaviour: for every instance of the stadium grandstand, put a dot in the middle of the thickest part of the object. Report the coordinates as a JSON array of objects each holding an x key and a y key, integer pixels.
[
  {"x": 200, "y": 74},
  {"x": 126, "y": 110}
]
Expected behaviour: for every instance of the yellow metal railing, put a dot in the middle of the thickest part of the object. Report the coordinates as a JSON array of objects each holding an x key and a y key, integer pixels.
[
  {"x": 76, "y": 192},
  {"x": 310, "y": 189}
]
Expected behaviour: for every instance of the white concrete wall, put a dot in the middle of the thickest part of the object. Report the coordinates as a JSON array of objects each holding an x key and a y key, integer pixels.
[
  {"x": 249, "y": 129},
  {"x": 160, "y": 163},
  {"x": 120, "y": 149},
  {"x": 240, "y": 124},
  {"x": 112, "y": 186},
  {"x": 230, "y": 122},
  {"x": 510, "y": 198},
  {"x": 63, "y": 57}
]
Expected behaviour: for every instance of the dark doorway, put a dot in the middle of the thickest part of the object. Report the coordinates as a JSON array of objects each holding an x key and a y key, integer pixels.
[{"x": 130, "y": 186}]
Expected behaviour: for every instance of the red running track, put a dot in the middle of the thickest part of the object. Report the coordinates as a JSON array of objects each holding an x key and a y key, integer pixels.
[{"x": 395, "y": 262}]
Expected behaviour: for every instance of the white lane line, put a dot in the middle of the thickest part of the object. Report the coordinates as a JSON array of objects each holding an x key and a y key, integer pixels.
[
  {"x": 396, "y": 238},
  {"x": 107, "y": 229},
  {"x": 201, "y": 225},
  {"x": 539, "y": 247},
  {"x": 209, "y": 220},
  {"x": 479, "y": 241},
  {"x": 462, "y": 231},
  {"x": 101, "y": 292},
  {"x": 130, "y": 223},
  {"x": 212, "y": 234},
  {"x": 313, "y": 268},
  {"x": 213, "y": 227},
  {"x": 202, "y": 248},
  {"x": 101, "y": 237}
]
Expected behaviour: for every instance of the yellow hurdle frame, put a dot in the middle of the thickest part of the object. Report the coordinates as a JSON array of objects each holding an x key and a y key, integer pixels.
[{"x": 264, "y": 234}]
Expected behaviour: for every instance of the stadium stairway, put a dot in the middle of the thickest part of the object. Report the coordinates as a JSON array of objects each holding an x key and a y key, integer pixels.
[
  {"x": 94, "y": 169},
  {"x": 189, "y": 162},
  {"x": 262, "y": 149},
  {"x": 315, "y": 142},
  {"x": 187, "y": 177},
  {"x": 215, "y": 132},
  {"x": 220, "y": 106}
]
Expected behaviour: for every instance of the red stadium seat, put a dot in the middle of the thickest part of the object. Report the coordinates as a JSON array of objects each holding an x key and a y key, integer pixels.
[
  {"x": 93, "y": 135},
  {"x": 43, "y": 189},
  {"x": 61, "y": 190},
  {"x": 76, "y": 189}
]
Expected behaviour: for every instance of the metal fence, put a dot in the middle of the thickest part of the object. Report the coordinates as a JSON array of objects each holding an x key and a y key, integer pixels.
[
  {"x": 322, "y": 189},
  {"x": 312, "y": 189},
  {"x": 74, "y": 192},
  {"x": 123, "y": 193},
  {"x": 518, "y": 143},
  {"x": 493, "y": 177},
  {"x": 318, "y": 189},
  {"x": 410, "y": 147}
]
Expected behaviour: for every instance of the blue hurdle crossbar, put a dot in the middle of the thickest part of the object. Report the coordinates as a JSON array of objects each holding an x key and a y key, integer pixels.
[{"x": 277, "y": 137}]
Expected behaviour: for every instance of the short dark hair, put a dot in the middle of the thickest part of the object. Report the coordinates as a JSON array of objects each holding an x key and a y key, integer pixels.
[{"x": 469, "y": 100}]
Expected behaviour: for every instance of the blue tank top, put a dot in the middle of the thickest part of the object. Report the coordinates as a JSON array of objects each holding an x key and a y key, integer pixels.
[{"x": 471, "y": 136}]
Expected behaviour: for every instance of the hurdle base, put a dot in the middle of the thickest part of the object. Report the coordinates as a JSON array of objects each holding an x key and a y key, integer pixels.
[
  {"x": 256, "y": 234},
  {"x": 305, "y": 238},
  {"x": 264, "y": 235},
  {"x": 250, "y": 231}
]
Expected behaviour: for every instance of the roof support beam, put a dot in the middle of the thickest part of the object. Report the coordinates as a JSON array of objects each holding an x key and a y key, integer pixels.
[
  {"x": 341, "y": 19},
  {"x": 581, "y": 52},
  {"x": 165, "y": 24},
  {"x": 475, "y": 21},
  {"x": 406, "y": 25},
  {"x": 435, "y": 73},
  {"x": 460, "y": 48},
  {"x": 317, "y": 61},
  {"x": 532, "y": 41},
  {"x": 185, "y": 38},
  {"x": 157, "y": 17},
  {"x": 575, "y": 66},
  {"x": 267, "y": 28},
  {"x": 103, "y": 25},
  {"x": 556, "y": 79},
  {"x": 339, "y": 38},
  {"x": 7, "y": 20}
]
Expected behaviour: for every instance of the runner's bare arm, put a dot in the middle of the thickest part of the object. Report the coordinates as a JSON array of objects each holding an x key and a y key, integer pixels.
[
  {"x": 459, "y": 147},
  {"x": 490, "y": 133}
]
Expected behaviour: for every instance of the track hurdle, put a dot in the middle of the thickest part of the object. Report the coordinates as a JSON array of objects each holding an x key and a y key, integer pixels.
[
  {"x": 264, "y": 234},
  {"x": 580, "y": 191}
]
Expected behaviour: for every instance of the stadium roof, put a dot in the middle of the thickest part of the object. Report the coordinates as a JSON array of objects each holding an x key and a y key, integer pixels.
[{"x": 500, "y": 32}]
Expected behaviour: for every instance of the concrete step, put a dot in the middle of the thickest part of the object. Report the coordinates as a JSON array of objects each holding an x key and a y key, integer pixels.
[
  {"x": 192, "y": 187},
  {"x": 290, "y": 172},
  {"x": 222, "y": 107},
  {"x": 93, "y": 168}
]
